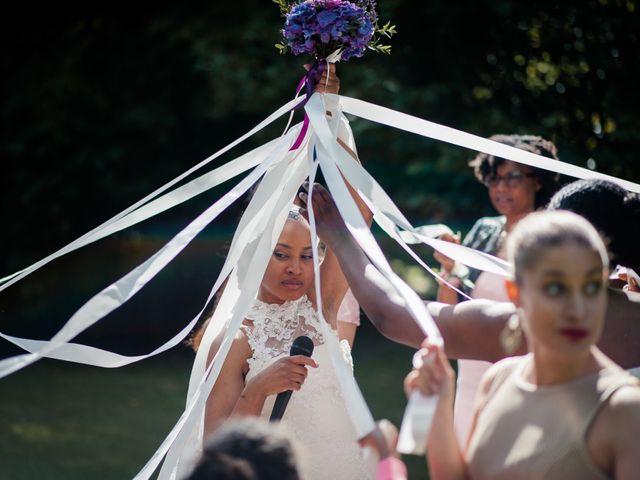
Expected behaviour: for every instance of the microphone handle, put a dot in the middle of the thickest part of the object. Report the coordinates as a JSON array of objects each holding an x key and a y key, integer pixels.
[
  {"x": 280, "y": 405},
  {"x": 302, "y": 345}
]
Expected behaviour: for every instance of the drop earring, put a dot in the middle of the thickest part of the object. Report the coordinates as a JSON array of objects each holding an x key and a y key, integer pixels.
[{"x": 511, "y": 335}]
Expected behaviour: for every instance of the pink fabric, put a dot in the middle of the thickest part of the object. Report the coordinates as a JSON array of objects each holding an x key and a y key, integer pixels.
[
  {"x": 349, "y": 311},
  {"x": 491, "y": 286},
  {"x": 391, "y": 468},
  {"x": 470, "y": 372}
]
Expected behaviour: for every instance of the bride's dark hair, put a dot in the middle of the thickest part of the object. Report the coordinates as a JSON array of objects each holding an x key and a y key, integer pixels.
[{"x": 198, "y": 332}]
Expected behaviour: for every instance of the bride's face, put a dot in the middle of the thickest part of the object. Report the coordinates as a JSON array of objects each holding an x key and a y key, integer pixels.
[{"x": 289, "y": 274}]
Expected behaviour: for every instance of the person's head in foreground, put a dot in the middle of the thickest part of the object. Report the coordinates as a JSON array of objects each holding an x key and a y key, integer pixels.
[
  {"x": 560, "y": 268},
  {"x": 247, "y": 449}
]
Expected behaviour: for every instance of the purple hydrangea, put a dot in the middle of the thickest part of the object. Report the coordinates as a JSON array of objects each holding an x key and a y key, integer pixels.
[{"x": 319, "y": 27}]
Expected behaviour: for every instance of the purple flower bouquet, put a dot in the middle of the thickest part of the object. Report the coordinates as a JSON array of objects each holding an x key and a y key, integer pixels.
[{"x": 332, "y": 30}]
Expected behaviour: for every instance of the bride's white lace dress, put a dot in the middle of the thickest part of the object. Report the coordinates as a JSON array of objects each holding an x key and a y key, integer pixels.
[{"x": 316, "y": 414}]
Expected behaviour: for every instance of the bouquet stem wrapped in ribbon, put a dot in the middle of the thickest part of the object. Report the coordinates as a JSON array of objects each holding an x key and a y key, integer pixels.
[{"x": 329, "y": 31}]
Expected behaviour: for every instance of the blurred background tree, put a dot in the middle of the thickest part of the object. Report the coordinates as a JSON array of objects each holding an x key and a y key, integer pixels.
[{"x": 104, "y": 103}]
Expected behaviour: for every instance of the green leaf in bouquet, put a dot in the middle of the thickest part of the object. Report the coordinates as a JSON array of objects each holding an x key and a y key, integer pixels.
[
  {"x": 282, "y": 47},
  {"x": 387, "y": 30},
  {"x": 284, "y": 6}
]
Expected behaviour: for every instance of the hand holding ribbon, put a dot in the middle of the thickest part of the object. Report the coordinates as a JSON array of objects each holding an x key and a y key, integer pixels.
[{"x": 319, "y": 79}]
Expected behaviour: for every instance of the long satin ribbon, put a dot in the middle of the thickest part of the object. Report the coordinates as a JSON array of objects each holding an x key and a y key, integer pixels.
[
  {"x": 375, "y": 196},
  {"x": 360, "y": 231},
  {"x": 355, "y": 403},
  {"x": 374, "y": 113},
  {"x": 121, "y": 291},
  {"x": 353, "y": 219},
  {"x": 74, "y": 352},
  {"x": 234, "y": 304},
  {"x": 379, "y": 201},
  {"x": 93, "y": 235},
  {"x": 329, "y": 152},
  {"x": 409, "y": 123}
]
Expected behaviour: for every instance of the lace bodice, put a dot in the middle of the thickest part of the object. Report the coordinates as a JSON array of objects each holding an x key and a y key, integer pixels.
[
  {"x": 277, "y": 326},
  {"x": 316, "y": 414}
]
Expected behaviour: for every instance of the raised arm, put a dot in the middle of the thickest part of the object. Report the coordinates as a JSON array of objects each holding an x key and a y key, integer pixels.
[
  {"x": 470, "y": 329},
  {"x": 334, "y": 285},
  {"x": 445, "y": 293}
]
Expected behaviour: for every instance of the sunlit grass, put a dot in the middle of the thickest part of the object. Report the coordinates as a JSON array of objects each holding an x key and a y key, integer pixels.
[{"x": 67, "y": 421}]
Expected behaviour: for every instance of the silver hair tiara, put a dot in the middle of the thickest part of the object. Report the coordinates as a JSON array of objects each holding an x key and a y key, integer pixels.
[{"x": 294, "y": 213}]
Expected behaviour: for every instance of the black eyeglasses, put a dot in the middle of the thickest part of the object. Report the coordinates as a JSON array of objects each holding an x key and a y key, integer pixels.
[{"x": 511, "y": 179}]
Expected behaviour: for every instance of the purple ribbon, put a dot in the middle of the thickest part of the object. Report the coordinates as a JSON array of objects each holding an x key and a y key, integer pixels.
[{"x": 308, "y": 82}]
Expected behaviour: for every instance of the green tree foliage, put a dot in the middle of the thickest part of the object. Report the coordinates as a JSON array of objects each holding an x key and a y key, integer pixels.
[{"x": 104, "y": 104}]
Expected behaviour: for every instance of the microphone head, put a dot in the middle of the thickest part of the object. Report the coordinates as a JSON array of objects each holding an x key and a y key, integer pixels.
[{"x": 302, "y": 345}]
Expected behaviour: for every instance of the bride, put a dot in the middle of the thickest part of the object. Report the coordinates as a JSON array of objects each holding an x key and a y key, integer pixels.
[{"x": 258, "y": 365}]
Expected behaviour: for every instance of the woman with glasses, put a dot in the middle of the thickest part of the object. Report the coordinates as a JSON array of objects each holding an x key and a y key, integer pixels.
[{"x": 515, "y": 190}]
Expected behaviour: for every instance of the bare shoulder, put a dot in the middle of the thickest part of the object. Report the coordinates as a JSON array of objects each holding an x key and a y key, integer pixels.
[
  {"x": 612, "y": 440},
  {"x": 240, "y": 349},
  {"x": 495, "y": 375},
  {"x": 623, "y": 408},
  {"x": 240, "y": 345},
  {"x": 501, "y": 369}
]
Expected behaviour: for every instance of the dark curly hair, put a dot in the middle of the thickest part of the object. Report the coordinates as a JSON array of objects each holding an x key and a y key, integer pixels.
[
  {"x": 486, "y": 166},
  {"x": 614, "y": 211},
  {"x": 221, "y": 466},
  {"x": 263, "y": 447}
]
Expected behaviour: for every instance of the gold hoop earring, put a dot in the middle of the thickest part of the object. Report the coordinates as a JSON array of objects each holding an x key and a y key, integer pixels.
[{"x": 511, "y": 335}]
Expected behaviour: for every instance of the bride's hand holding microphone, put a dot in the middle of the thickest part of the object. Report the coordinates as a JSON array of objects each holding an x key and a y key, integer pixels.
[{"x": 287, "y": 373}]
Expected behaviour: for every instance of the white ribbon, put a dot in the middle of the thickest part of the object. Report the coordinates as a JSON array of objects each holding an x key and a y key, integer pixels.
[
  {"x": 353, "y": 219},
  {"x": 94, "y": 235},
  {"x": 121, "y": 291},
  {"x": 253, "y": 244},
  {"x": 384, "y": 209},
  {"x": 409, "y": 123},
  {"x": 238, "y": 296},
  {"x": 355, "y": 403}
]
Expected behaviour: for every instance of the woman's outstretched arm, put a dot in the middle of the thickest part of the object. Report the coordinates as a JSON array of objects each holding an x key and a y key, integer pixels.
[{"x": 470, "y": 329}]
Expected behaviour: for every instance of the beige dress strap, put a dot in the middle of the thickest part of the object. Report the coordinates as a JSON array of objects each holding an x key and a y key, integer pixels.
[{"x": 538, "y": 432}]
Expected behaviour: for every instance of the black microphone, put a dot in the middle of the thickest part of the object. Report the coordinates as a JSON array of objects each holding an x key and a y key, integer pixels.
[{"x": 302, "y": 345}]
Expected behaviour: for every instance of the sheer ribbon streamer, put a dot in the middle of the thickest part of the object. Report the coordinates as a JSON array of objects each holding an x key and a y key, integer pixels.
[{"x": 282, "y": 171}]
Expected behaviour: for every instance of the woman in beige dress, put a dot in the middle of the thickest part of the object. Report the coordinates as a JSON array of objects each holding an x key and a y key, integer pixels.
[{"x": 565, "y": 410}]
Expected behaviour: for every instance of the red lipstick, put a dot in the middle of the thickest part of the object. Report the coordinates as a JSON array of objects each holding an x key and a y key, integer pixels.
[{"x": 574, "y": 334}]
